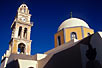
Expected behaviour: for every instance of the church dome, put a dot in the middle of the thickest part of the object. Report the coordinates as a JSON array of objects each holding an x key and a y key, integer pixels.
[{"x": 72, "y": 22}]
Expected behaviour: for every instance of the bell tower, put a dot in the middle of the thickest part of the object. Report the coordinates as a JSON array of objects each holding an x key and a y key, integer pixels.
[{"x": 20, "y": 42}]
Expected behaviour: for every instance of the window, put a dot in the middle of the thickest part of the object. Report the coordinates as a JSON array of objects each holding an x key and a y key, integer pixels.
[
  {"x": 20, "y": 9},
  {"x": 31, "y": 67},
  {"x": 25, "y": 33},
  {"x": 59, "y": 40},
  {"x": 88, "y": 34},
  {"x": 21, "y": 48},
  {"x": 73, "y": 35},
  {"x": 19, "y": 32},
  {"x": 24, "y": 10}
]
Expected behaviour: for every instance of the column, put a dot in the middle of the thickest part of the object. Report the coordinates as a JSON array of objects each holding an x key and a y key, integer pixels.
[{"x": 22, "y": 33}]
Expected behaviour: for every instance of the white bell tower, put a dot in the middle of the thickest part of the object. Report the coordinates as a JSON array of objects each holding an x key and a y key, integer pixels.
[{"x": 20, "y": 42}]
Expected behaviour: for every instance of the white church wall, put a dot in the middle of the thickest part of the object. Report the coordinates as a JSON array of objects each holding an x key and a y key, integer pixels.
[
  {"x": 27, "y": 63},
  {"x": 41, "y": 63},
  {"x": 84, "y": 59},
  {"x": 41, "y": 56},
  {"x": 50, "y": 53},
  {"x": 96, "y": 42}
]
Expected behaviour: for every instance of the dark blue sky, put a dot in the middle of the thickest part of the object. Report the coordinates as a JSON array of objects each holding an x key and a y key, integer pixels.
[{"x": 47, "y": 15}]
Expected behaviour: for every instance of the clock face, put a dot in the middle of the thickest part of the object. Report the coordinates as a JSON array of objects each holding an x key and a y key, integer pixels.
[{"x": 23, "y": 19}]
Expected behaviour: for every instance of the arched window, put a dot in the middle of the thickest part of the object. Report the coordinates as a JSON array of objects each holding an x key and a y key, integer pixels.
[
  {"x": 24, "y": 9},
  {"x": 59, "y": 40},
  {"x": 88, "y": 34},
  {"x": 19, "y": 32},
  {"x": 21, "y": 48},
  {"x": 20, "y": 9},
  {"x": 31, "y": 67},
  {"x": 73, "y": 35},
  {"x": 25, "y": 33}
]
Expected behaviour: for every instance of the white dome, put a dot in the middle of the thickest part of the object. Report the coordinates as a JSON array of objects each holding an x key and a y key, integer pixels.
[{"x": 73, "y": 22}]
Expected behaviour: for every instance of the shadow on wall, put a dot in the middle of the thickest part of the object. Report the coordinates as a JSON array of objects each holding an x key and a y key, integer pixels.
[
  {"x": 93, "y": 64},
  {"x": 69, "y": 58},
  {"x": 91, "y": 55},
  {"x": 13, "y": 64}
]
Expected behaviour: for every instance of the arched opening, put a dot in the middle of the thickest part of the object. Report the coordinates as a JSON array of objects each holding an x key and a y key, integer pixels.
[
  {"x": 25, "y": 33},
  {"x": 20, "y": 9},
  {"x": 59, "y": 40},
  {"x": 19, "y": 32},
  {"x": 21, "y": 48},
  {"x": 24, "y": 9},
  {"x": 88, "y": 34},
  {"x": 73, "y": 35},
  {"x": 31, "y": 67}
]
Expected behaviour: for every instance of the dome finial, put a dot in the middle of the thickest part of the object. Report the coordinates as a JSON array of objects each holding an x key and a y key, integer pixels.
[{"x": 71, "y": 14}]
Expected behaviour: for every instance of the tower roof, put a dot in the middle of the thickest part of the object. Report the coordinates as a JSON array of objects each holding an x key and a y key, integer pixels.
[
  {"x": 23, "y": 5},
  {"x": 23, "y": 9},
  {"x": 72, "y": 22}
]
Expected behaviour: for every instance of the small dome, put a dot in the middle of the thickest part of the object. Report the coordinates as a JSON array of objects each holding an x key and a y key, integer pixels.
[
  {"x": 23, "y": 9},
  {"x": 24, "y": 5},
  {"x": 72, "y": 22}
]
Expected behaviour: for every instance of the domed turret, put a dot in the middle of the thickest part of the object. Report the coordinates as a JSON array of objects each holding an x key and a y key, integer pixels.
[
  {"x": 72, "y": 28},
  {"x": 72, "y": 22}
]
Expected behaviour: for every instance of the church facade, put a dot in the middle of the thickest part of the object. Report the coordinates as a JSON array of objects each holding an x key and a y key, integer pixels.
[{"x": 76, "y": 45}]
